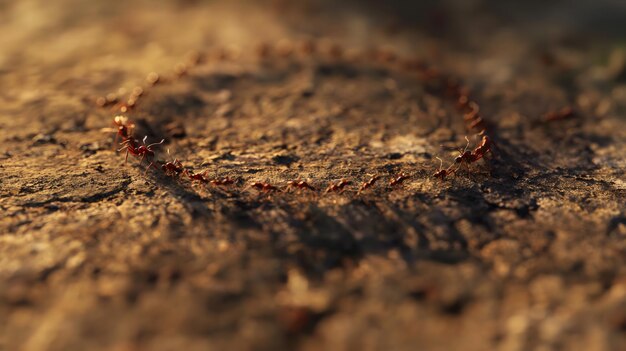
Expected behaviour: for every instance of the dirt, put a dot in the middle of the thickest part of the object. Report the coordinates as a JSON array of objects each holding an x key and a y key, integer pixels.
[{"x": 525, "y": 250}]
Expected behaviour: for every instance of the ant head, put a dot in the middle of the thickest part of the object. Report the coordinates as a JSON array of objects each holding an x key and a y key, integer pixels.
[{"x": 120, "y": 120}]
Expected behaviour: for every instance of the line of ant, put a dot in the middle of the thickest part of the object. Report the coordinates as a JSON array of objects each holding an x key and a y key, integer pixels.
[
  {"x": 452, "y": 89},
  {"x": 283, "y": 49},
  {"x": 175, "y": 168}
]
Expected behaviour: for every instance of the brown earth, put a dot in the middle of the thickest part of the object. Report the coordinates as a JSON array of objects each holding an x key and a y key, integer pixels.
[{"x": 525, "y": 251}]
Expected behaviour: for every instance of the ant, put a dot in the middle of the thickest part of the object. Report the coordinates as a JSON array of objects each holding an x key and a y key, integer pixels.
[
  {"x": 463, "y": 102},
  {"x": 124, "y": 128},
  {"x": 399, "y": 179},
  {"x": 368, "y": 184},
  {"x": 153, "y": 78},
  {"x": 564, "y": 113},
  {"x": 143, "y": 150},
  {"x": 222, "y": 182},
  {"x": 473, "y": 117},
  {"x": 481, "y": 150},
  {"x": 264, "y": 187},
  {"x": 172, "y": 168},
  {"x": 466, "y": 157},
  {"x": 300, "y": 184},
  {"x": 200, "y": 177},
  {"x": 443, "y": 173},
  {"x": 339, "y": 186}
]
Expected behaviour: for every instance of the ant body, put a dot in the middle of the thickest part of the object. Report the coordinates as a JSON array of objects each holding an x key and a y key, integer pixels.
[
  {"x": 124, "y": 128},
  {"x": 473, "y": 118},
  {"x": 264, "y": 187},
  {"x": 300, "y": 184},
  {"x": 196, "y": 177},
  {"x": 131, "y": 146},
  {"x": 174, "y": 168},
  {"x": 339, "y": 186},
  {"x": 481, "y": 150},
  {"x": 222, "y": 182},
  {"x": 399, "y": 179},
  {"x": 368, "y": 184},
  {"x": 466, "y": 157},
  {"x": 564, "y": 113}
]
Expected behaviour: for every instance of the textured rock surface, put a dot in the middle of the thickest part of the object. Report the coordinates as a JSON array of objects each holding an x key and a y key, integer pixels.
[{"x": 527, "y": 251}]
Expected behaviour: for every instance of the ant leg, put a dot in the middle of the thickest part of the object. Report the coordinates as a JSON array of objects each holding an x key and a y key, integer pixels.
[
  {"x": 147, "y": 168},
  {"x": 142, "y": 156},
  {"x": 126, "y": 159}
]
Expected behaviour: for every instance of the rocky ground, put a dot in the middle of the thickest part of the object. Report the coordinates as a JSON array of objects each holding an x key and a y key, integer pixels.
[{"x": 525, "y": 251}]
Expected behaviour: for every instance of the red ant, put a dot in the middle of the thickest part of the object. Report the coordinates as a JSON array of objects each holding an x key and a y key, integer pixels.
[
  {"x": 368, "y": 184},
  {"x": 300, "y": 184},
  {"x": 473, "y": 117},
  {"x": 222, "y": 182},
  {"x": 466, "y": 157},
  {"x": 399, "y": 179},
  {"x": 564, "y": 113},
  {"x": 143, "y": 150},
  {"x": 443, "y": 173},
  {"x": 172, "y": 168},
  {"x": 463, "y": 103},
  {"x": 153, "y": 78},
  {"x": 339, "y": 186},
  {"x": 124, "y": 128},
  {"x": 264, "y": 187},
  {"x": 200, "y": 177},
  {"x": 481, "y": 150}
]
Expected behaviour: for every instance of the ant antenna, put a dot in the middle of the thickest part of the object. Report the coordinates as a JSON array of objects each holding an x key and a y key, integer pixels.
[
  {"x": 159, "y": 143},
  {"x": 440, "y": 163},
  {"x": 466, "y": 146}
]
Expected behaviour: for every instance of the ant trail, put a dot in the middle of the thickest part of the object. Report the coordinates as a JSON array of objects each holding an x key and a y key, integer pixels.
[{"x": 330, "y": 54}]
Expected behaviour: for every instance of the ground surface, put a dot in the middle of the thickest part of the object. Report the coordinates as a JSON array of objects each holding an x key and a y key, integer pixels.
[{"x": 526, "y": 252}]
